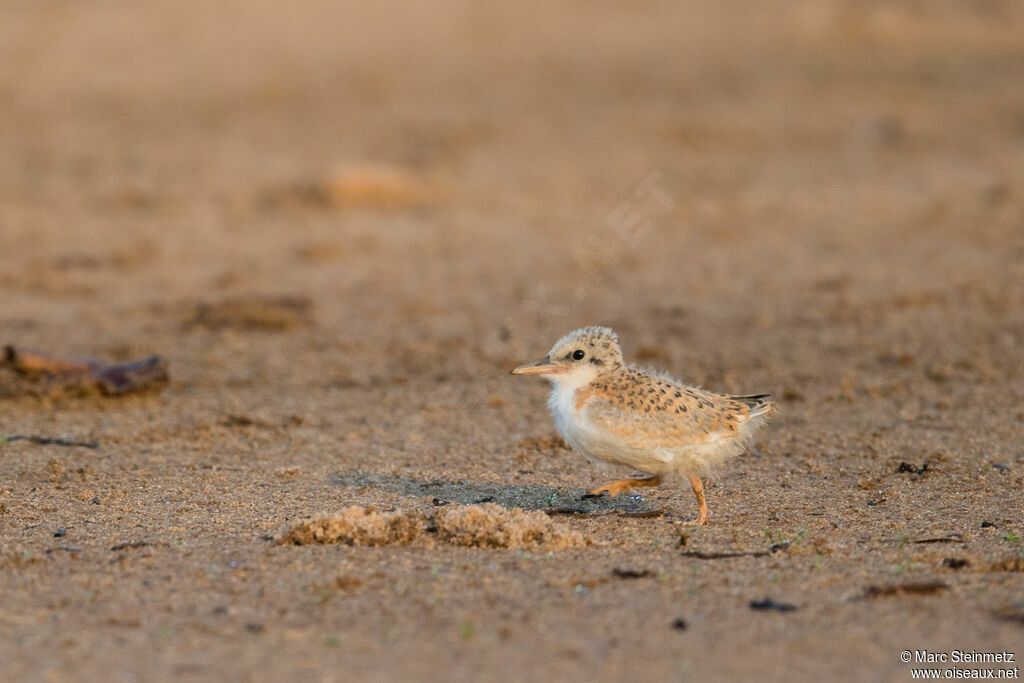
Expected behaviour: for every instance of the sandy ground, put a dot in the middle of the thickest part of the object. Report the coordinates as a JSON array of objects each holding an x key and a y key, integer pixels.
[{"x": 342, "y": 223}]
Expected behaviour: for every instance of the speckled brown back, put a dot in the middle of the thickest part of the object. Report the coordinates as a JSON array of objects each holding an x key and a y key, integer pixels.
[{"x": 651, "y": 411}]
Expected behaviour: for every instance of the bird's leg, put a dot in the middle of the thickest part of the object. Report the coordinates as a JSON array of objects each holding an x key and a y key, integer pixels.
[
  {"x": 698, "y": 490},
  {"x": 616, "y": 487}
]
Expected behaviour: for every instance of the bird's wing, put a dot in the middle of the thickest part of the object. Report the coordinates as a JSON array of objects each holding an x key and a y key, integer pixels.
[{"x": 650, "y": 412}]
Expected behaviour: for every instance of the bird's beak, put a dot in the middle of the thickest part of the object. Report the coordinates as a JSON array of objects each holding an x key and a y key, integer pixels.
[{"x": 543, "y": 366}]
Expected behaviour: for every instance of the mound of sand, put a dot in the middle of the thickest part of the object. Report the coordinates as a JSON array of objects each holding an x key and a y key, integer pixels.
[
  {"x": 493, "y": 526},
  {"x": 481, "y": 526},
  {"x": 358, "y": 526}
]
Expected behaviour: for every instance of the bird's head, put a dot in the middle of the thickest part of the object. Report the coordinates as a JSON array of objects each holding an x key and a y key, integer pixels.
[{"x": 578, "y": 358}]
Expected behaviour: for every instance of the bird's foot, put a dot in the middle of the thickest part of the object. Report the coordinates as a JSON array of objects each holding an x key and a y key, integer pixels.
[
  {"x": 621, "y": 486},
  {"x": 702, "y": 518}
]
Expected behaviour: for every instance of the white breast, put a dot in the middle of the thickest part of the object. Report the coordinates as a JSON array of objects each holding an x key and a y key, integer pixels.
[
  {"x": 578, "y": 432},
  {"x": 561, "y": 401}
]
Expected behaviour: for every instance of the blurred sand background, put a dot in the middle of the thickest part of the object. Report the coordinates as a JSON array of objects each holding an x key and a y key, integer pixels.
[{"x": 341, "y": 224}]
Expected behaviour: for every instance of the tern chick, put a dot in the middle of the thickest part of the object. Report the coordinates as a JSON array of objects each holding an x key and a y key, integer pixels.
[{"x": 645, "y": 420}]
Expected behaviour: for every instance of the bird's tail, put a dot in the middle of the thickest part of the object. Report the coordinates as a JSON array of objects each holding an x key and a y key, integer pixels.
[{"x": 758, "y": 404}]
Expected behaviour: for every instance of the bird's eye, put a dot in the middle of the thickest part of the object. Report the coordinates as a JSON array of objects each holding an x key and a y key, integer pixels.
[{"x": 578, "y": 354}]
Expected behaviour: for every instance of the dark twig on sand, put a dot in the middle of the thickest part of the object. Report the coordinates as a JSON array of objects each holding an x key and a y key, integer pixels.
[
  {"x": 775, "y": 548},
  {"x": 642, "y": 514},
  {"x": 918, "y": 588},
  {"x": 769, "y": 604},
  {"x": 48, "y": 441},
  {"x": 584, "y": 512},
  {"x": 130, "y": 544},
  {"x": 567, "y": 511},
  {"x": 952, "y": 538},
  {"x": 721, "y": 556},
  {"x": 619, "y": 573}
]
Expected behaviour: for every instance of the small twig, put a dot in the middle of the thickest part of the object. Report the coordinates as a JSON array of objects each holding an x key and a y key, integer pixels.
[
  {"x": 567, "y": 511},
  {"x": 952, "y": 538},
  {"x": 130, "y": 544},
  {"x": 583, "y": 512},
  {"x": 769, "y": 604},
  {"x": 644, "y": 514},
  {"x": 721, "y": 556},
  {"x": 631, "y": 573},
  {"x": 48, "y": 441}
]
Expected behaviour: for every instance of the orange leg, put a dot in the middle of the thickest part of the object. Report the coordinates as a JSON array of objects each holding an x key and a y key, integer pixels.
[
  {"x": 698, "y": 490},
  {"x": 616, "y": 487}
]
